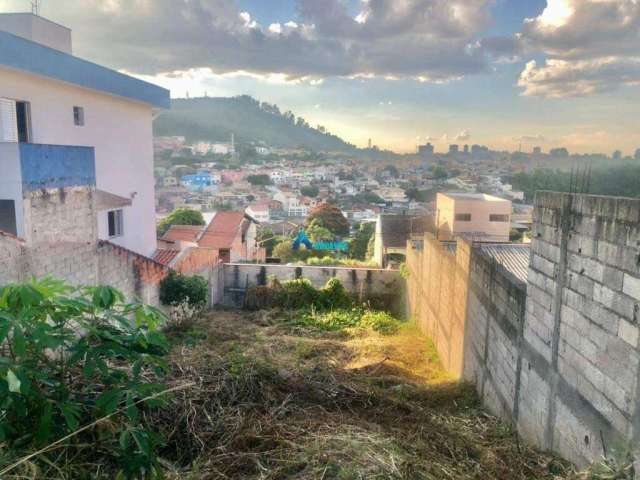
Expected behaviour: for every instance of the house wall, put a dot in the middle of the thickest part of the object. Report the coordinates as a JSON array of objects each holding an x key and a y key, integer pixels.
[
  {"x": 121, "y": 133},
  {"x": 559, "y": 356},
  {"x": 11, "y": 181},
  {"x": 480, "y": 211},
  {"x": 62, "y": 243}
]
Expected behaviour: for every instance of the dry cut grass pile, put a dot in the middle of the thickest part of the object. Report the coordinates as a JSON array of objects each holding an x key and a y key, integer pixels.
[{"x": 275, "y": 401}]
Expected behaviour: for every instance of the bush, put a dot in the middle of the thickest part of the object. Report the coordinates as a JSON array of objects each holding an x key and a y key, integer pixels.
[
  {"x": 52, "y": 381},
  {"x": 296, "y": 294},
  {"x": 333, "y": 295},
  {"x": 177, "y": 289}
]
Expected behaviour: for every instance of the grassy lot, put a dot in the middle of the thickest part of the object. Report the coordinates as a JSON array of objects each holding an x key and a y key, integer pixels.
[{"x": 277, "y": 398}]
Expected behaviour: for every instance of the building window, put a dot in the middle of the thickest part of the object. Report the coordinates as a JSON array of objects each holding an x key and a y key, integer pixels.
[
  {"x": 116, "y": 223},
  {"x": 494, "y": 217},
  {"x": 78, "y": 116},
  {"x": 8, "y": 217},
  {"x": 23, "y": 118},
  {"x": 463, "y": 217}
]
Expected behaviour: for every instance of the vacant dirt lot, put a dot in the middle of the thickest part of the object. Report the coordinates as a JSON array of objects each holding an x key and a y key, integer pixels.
[{"x": 277, "y": 401}]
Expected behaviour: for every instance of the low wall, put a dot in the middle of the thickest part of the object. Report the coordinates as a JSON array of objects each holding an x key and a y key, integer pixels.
[
  {"x": 559, "y": 356},
  {"x": 366, "y": 283}
]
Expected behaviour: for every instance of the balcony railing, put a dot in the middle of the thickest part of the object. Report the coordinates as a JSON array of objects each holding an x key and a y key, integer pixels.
[{"x": 56, "y": 166}]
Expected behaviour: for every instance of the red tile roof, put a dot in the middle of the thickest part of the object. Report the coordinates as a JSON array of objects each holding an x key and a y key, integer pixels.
[
  {"x": 165, "y": 257},
  {"x": 185, "y": 233},
  {"x": 222, "y": 230}
]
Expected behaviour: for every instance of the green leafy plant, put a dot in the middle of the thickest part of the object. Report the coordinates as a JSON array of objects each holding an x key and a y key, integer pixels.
[
  {"x": 333, "y": 295},
  {"x": 177, "y": 289},
  {"x": 295, "y": 294},
  {"x": 380, "y": 322},
  {"x": 180, "y": 216},
  {"x": 69, "y": 357}
]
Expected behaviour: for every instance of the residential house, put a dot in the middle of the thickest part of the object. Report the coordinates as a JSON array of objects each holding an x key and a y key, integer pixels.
[
  {"x": 233, "y": 234},
  {"x": 259, "y": 211},
  {"x": 61, "y": 116},
  {"x": 392, "y": 234},
  {"x": 483, "y": 218}
]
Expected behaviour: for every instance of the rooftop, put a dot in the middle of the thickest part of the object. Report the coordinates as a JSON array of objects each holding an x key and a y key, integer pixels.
[
  {"x": 513, "y": 257},
  {"x": 185, "y": 233},
  {"x": 222, "y": 230},
  {"x": 481, "y": 197},
  {"x": 19, "y": 53}
]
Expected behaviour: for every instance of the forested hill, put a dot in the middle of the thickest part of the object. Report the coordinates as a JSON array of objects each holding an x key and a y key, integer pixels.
[{"x": 215, "y": 119}]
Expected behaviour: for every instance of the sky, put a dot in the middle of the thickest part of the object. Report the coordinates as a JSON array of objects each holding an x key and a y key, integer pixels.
[{"x": 505, "y": 73}]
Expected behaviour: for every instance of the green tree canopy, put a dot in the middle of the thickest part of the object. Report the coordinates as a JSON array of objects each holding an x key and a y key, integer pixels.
[
  {"x": 259, "y": 180},
  {"x": 358, "y": 246},
  {"x": 330, "y": 217},
  {"x": 318, "y": 233},
  {"x": 310, "y": 191},
  {"x": 180, "y": 216}
]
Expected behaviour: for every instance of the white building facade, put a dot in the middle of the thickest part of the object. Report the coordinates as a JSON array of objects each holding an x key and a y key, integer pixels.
[{"x": 54, "y": 105}]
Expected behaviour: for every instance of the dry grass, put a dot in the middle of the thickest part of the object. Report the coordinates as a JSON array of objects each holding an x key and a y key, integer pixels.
[{"x": 277, "y": 402}]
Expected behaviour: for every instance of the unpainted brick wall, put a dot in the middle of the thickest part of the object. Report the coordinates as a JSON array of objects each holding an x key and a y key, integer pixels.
[{"x": 61, "y": 241}]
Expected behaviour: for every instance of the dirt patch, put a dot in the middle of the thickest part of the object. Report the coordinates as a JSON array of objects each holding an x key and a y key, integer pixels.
[{"x": 275, "y": 402}]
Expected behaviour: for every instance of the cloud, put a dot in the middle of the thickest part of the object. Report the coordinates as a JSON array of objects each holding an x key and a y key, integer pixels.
[
  {"x": 591, "y": 46},
  {"x": 566, "y": 78},
  {"x": 428, "y": 39},
  {"x": 463, "y": 136}
]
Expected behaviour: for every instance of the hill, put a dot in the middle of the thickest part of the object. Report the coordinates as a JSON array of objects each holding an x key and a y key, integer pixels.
[{"x": 215, "y": 119}]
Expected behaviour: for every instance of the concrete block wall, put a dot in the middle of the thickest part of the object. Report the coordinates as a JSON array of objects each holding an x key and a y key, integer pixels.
[
  {"x": 437, "y": 293},
  {"x": 581, "y": 325},
  {"x": 558, "y": 357}
]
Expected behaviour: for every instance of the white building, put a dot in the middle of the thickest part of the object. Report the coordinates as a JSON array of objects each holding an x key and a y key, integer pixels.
[
  {"x": 65, "y": 118},
  {"x": 259, "y": 212}
]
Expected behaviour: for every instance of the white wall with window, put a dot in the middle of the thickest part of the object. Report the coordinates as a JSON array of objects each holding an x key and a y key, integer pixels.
[{"x": 115, "y": 223}]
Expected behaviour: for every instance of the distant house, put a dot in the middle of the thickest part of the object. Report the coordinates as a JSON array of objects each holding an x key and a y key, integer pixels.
[
  {"x": 392, "y": 234},
  {"x": 259, "y": 211},
  {"x": 233, "y": 234},
  {"x": 483, "y": 218},
  {"x": 229, "y": 237},
  {"x": 196, "y": 181}
]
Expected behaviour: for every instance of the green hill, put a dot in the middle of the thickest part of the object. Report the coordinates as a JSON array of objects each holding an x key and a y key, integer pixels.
[{"x": 215, "y": 119}]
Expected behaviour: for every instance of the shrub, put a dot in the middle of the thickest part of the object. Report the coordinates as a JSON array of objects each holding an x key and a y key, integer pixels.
[
  {"x": 295, "y": 294},
  {"x": 177, "y": 289},
  {"x": 334, "y": 320},
  {"x": 381, "y": 322},
  {"x": 52, "y": 380},
  {"x": 333, "y": 295}
]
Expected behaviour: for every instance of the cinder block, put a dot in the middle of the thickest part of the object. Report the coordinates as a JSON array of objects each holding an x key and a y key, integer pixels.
[
  {"x": 628, "y": 332},
  {"x": 631, "y": 286}
]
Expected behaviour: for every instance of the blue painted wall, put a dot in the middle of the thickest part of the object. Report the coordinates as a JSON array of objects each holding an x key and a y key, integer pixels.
[
  {"x": 21, "y": 54},
  {"x": 56, "y": 166}
]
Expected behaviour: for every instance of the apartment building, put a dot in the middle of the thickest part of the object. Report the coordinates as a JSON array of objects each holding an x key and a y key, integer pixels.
[{"x": 62, "y": 116}]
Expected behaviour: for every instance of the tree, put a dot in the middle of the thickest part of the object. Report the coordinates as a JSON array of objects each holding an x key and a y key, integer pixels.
[
  {"x": 267, "y": 239},
  {"x": 180, "y": 216},
  {"x": 310, "y": 191},
  {"x": 358, "y": 246},
  {"x": 393, "y": 170},
  {"x": 259, "y": 180},
  {"x": 284, "y": 251},
  {"x": 330, "y": 217},
  {"x": 318, "y": 233}
]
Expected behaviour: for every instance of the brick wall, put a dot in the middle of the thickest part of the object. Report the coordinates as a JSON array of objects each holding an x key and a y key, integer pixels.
[
  {"x": 558, "y": 356},
  {"x": 61, "y": 241}
]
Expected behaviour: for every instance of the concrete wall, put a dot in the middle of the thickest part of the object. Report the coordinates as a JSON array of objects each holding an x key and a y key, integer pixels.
[
  {"x": 437, "y": 293},
  {"x": 559, "y": 356},
  {"x": 363, "y": 282},
  {"x": 118, "y": 129},
  {"x": 62, "y": 242}
]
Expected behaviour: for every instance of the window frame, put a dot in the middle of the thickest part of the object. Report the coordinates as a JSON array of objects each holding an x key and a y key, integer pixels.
[
  {"x": 118, "y": 223},
  {"x": 504, "y": 218},
  {"x": 462, "y": 217},
  {"x": 78, "y": 116}
]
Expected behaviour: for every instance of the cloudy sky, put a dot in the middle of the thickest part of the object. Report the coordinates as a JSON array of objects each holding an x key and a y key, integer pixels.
[{"x": 498, "y": 72}]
